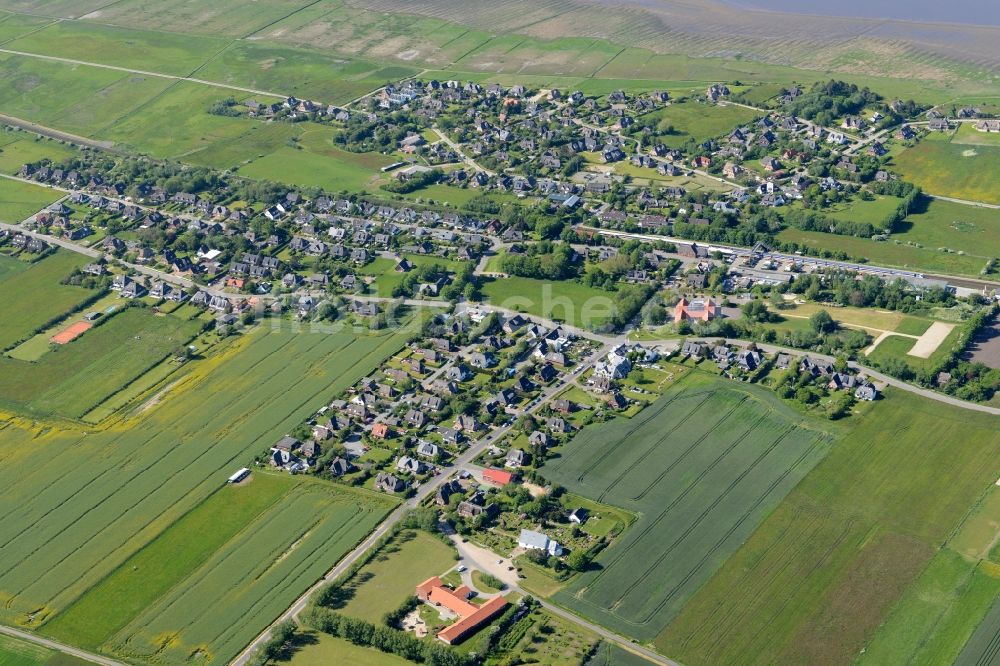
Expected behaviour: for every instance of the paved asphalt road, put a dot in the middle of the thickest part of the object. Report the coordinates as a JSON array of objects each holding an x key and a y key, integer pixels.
[{"x": 425, "y": 490}]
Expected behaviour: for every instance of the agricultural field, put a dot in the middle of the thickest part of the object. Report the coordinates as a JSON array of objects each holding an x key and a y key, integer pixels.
[
  {"x": 71, "y": 379},
  {"x": 33, "y": 296},
  {"x": 937, "y": 614},
  {"x": 982, "y": 647},
  {"x": 569, "y": 302},
  {"x": 945, "y": 168},
  {"x": 701, "y": 467},
  {"x": 385, "y": 582},
  {"x": 105, "y": 494},
  {"x": 826, "y": 569}
]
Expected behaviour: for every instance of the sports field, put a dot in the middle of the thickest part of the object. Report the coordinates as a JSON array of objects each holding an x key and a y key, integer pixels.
[
  {"x": 825, "y": 570},
  {"x": 90, "y": 500},
  {"x": 33, "y": 296},
  {"x": 75, "y": 376},
  {"x": 702, "y": 467}
]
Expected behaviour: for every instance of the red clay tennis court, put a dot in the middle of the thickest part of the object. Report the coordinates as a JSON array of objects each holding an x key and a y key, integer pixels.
[{"x": 71, "y": 332}]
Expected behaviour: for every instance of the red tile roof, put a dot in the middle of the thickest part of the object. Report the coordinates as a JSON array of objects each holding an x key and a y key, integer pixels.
[
  {"x": 498, "y": 476},
  {"x": 470, "y": 615},
  {"x": 482, "y": 615}
]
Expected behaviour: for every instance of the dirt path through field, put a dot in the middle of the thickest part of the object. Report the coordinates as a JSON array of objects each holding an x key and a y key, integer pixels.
[{"x": 932, "y": 338}]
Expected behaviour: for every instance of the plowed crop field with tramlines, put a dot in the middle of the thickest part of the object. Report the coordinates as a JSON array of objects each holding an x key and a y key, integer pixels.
[
  {"x": 702, "y": 466},
  {"x": 93, "y": 504}
]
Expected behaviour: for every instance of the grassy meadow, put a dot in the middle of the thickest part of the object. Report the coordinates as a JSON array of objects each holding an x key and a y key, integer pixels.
[
  {"x": 701, "y": 467},
  {"x": 33, "y": 296},
  {"x": 19, "y": 201},
  {"x": 384, "y": 583},
  {"x": 951, "y": 169},
  {"x": 570, "y": 302}
]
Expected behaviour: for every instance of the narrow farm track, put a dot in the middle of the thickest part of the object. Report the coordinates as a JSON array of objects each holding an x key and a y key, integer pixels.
[
  {"x": 60, "y": 647},
  {"x": 143, "y": 72}
]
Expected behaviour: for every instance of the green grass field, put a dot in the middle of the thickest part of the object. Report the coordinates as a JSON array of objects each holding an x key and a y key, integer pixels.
[
  {"x": 305, "y": 73},
  {"x": 159, "y": 52},
  {"x": 937, "y": 614},
  {"x": 91, "y": 500},
  {"x": 567, "y": 301},
  {"x": 952, "y": 169},
  {"x": 33, "y": 295},
  {"x": 18, "y": 200},
  {"x": 384, "y": 583},
  {"x": 701, "y": 467},
  {"x": 318, "y": 163},
  {"x": 182, "y": 106},
  {"x": 858, "y": 210},
  {"x": 22, "y": 151},
  {"x": 825, "y": 570},
  {"x": 888, "y": 253},
  {"x": 72, "y": 379},
  {"x": 942, "y": 237},
  {"x": 694, "y": 120},
  {"x": 320, "y": 648}
]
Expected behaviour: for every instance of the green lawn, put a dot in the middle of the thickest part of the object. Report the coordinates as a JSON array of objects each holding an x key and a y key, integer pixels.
[
  {"x": 698, "y": 121},
  {"x": 319, "y": 648},
  {"x": 858, "y": 210},
  {"x": 19, "y": 201},
  {"x": 825, "y": 570},
  {"x": 566, "y": 301},
  {"x": 385, "y": 582},
  {"x": 318, "y": 163},
  {"x": 29, "y": 149}
]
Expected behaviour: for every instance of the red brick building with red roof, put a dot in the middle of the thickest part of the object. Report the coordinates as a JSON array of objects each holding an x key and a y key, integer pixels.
[{"x": 470, "y": 616}]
